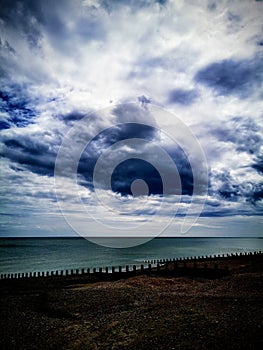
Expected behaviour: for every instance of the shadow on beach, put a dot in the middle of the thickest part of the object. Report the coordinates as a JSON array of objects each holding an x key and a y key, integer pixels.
[{"x": 141, "y": 312}]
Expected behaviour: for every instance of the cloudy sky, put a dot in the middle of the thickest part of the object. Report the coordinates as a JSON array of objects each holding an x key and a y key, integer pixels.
[{"x": 131, "y": 117}]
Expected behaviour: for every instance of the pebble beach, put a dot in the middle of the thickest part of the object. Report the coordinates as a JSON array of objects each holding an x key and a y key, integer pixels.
[{"x": 140, "y": 312}]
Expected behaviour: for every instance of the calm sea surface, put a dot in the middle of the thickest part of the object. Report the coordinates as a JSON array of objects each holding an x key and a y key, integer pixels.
[{"x": 45, "y": 254}]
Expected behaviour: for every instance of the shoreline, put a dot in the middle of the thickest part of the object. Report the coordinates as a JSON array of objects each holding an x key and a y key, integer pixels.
[{"x": 212, "y": 265}]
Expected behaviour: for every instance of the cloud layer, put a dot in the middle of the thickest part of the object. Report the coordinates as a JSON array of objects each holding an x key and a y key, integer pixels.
[{"x": 201, "y": 61}]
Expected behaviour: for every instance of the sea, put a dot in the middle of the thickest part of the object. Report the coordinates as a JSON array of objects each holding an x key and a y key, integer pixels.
[{"x": 19, "y": 255}]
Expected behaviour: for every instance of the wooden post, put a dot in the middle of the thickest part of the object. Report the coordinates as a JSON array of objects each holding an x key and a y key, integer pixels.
[
  {"x": 88, "y": 270},
  {"x": 120, "y": 269},
  {"x": 94, "y": 269},
  {"x": 134, "y": 268},
  {"x": 142, "y": 268},
  {"x": 100, "y": 270},
  {"x": 106, "y": 269},
  {"x": 127, "y": 268},
  {"x": 149, "y": 268},
  {"x": 113, "y": 269}
]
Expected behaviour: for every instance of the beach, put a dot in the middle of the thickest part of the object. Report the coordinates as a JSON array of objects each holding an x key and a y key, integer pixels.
[{"x": 140, "y": 312}]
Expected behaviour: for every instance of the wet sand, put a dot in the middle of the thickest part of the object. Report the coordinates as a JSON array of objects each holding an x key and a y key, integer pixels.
[{"x": 140, "y": 312}]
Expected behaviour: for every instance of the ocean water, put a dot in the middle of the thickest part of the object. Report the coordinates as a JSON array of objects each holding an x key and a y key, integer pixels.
[{"x": 46, "y": 254}]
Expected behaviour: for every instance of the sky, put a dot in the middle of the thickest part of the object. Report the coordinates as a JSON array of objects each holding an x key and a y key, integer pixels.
[{"x": 131, "y": 118}]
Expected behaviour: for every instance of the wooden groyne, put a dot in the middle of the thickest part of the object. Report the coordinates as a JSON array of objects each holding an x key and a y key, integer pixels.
[{"x": 209, "y": 266}]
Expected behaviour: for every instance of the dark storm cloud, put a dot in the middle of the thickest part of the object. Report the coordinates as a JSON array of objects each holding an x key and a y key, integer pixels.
[
  {"x": 107, "y": 138},
  {"x": 16, "y": 104},
  {"x": 128, "y": 171},
  {"x": 182, "y": 97},
  {"x": 31, "y": 153},
  {"x": 71, "y": 117},
  {"x": 257, "y": 194},
  {"x": 237, "y": 77},
  {"x": 258, "y": 165},
  {"x": 228, "y": 189},
  {"x": 245, "y": 134}
]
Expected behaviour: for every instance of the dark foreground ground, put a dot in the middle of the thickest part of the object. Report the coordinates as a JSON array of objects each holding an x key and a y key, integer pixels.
[{"x": 143, "y": 312}]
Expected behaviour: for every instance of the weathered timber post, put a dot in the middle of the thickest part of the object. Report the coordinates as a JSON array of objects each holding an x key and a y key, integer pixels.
[{"x": 149, "y": 268}]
